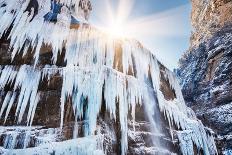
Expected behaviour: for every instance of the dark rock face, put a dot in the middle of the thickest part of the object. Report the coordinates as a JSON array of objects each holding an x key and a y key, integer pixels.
[
  {"x": 206, "y": 69},
  {"x": 205, "y": 72}
]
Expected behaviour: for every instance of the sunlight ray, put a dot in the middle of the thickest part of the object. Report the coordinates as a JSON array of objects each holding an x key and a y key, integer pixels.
[{"x": 161, "y": 23}]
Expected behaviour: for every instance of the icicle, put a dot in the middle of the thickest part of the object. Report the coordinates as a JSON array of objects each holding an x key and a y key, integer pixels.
[
  {"x": 32, "y": 108},
  {"x": 5, "y": 103},
  {"x": 127, "y": 57},
  {"x": 79, "y": 82},
  {"x": 8, "y": 76},
  {"x": 110, "y": 48},
  {"x": 57, "y": 38},
  {"x": 141, "y": 59},
  {"x": 67, "y": 89},
  {"x": 7, "y": 16},
  {"x": 72, "y": 48},
  {"x": 50, "y": 71},
  {"x": 28, "y": 81},
  {"x": 134, "y": 96},
  {"x": 110, "y": 94},
  {"x": 123, "y": 108},
  {"x": 12, "y": 100}
]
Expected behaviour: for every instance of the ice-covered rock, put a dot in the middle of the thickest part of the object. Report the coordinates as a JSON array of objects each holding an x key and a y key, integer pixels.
[{"x": 96, "y": 89}]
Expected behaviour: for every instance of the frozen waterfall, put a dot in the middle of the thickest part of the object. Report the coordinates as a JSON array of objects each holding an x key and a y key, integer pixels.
[{"x": 96, "y": 71}]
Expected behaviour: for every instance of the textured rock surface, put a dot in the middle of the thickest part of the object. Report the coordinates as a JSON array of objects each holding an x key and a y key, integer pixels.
[
  {"x": 206, "y": 69},
  {"x": 209, "y": 16}
]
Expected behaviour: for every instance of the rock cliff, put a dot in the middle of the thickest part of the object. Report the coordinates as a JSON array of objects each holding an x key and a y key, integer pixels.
[
  {"x": 208, "y": 17},
  {"x": 205, "y": 69}
]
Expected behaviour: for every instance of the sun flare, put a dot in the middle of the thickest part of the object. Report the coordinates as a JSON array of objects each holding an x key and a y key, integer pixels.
[
  {"x": 120, "y": 21},
  {"x": 116, "y": 22},
  {"x": 116, "y": 29}
]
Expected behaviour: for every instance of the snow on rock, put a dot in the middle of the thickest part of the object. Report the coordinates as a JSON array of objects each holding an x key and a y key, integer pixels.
[
  {"x": 83, "y": 146},
  {"x": 223, "y": 113},
  {"x": 205, "y": 69},
  {"x": 19, "y": 137}
]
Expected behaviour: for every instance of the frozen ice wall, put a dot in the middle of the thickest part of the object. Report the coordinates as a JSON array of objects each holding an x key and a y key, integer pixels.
[{"x": 97, "y": 70}]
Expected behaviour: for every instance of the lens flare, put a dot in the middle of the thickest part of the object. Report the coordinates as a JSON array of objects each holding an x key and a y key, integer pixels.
[
  {"x": 153, "y": 28},
  {"x": 116, "y": 29},
  {"x": 121, "y": 22},
  {"x": 115, "y": 21}
]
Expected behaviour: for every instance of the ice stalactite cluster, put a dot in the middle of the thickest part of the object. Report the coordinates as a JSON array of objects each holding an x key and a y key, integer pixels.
[
  {"x": 31, "y": 29},
  {"x": 45, "y": 143},
  {"x": 192, "y": 132},
  {"x": 98, "y": 69},
  {"x": 89, "y": 83},
  {"x": 27, "y": 80},
  {"x": 82, "y": 146},
  {"x": 21, "y": 137},
  {"x": 195, "y": 136}
]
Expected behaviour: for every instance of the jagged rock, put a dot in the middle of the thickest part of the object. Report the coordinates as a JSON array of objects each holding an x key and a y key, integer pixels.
[
  {"x": 209, "y": 16},
  {"x": 206, "y": 69}
]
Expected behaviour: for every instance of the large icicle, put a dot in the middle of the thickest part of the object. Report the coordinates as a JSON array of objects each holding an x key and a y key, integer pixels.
[
  {"x": 28, "y": 81},
  {"x": 12, "y": 100},
  {"x": 5, "y": 102},
  {"x": 8, "y": 75}
]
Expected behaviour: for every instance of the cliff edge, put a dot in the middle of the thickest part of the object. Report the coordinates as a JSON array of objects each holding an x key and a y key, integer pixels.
[{"x": 205, "y": 69}]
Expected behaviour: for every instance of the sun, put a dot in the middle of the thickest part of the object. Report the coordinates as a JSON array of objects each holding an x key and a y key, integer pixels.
[
  {"x": 116, "y": 22},
  {"x": 117, "y": 29}
]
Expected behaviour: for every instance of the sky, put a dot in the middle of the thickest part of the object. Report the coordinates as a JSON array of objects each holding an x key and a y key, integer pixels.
[{"x": 163, "y": 26}]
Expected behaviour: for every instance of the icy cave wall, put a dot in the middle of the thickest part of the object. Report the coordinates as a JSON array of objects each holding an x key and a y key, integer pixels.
[
  {"x": 205, "y": 69},
  {"x": 83, "y": 92}
]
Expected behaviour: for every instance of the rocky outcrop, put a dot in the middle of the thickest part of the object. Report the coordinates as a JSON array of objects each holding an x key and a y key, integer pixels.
[
  {"x": 209, "y": 16},
  {"x": 206, "y": 69}
]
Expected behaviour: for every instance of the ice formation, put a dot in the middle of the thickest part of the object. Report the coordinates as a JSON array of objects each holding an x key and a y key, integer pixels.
[
  {"x": 82, "y": 146},
  {"x": 95, "y": 63},
  {"x": 37, "y": 135}
]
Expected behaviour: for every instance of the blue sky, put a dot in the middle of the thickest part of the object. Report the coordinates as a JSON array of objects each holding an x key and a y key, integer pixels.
[{"x": 168, "y": 33}]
